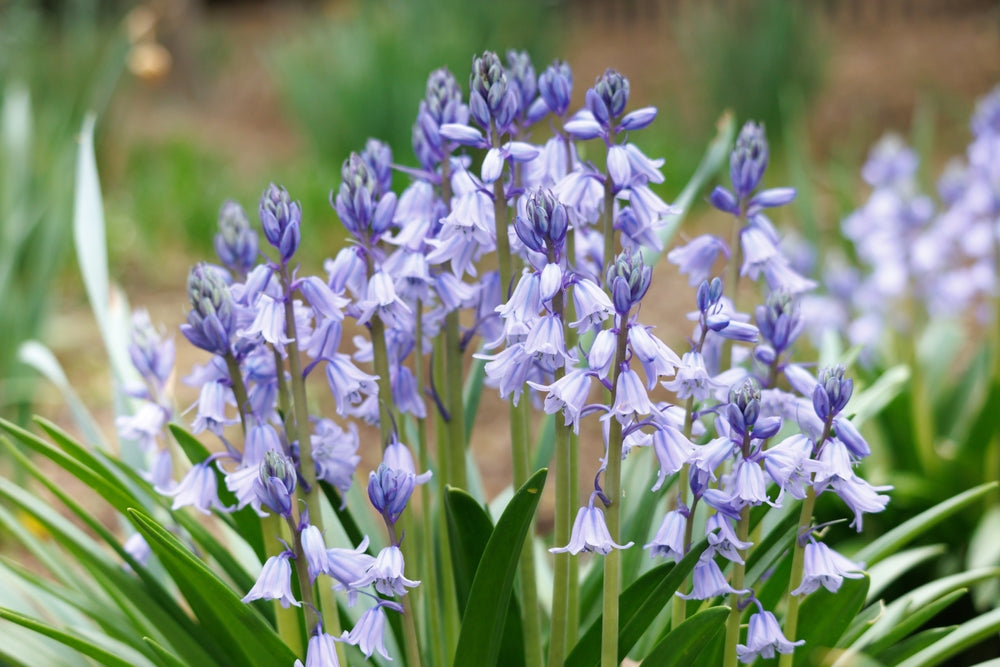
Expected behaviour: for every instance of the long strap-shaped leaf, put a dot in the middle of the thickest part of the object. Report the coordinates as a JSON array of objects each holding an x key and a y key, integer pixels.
[
  {"x": 638, "y": 607},
  {"x": 482, "y": 626},
  {"x": 236, "y": 625},
  {"x": 72, "y": 640},
  {"x": 829, "y": 615},
  {"x": 685, "y": 642},
  {"x": 967, "y": 634}
]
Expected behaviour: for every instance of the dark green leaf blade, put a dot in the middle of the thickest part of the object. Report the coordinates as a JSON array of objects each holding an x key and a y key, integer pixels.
[
  {"x": 481, "y": 633},
  {"x": 829, "y": 615},
  {"x": 687, "y": 641}
]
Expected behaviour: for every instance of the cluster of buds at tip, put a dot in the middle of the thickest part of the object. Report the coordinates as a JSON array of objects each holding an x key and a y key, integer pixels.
[
  {"x": 521, "y": 74},
  {"x": 492, "y": 96},
  {"x": 389, "y": 490},
  {"x": 832, "y": 393},
  {"x": 442, "y": 104},
  {"x": 628, "y": 278},
  {"x": 276, "y": 482},
  {"x": 210, "y": 321},
  {"x": 779, "y": 323},
  {"x": 236, "y": 242},
  {"x": 378, "y": 156},
  {"x": 743, "y": 412},
  {"x": 364, "y": 214},
  {"x": 748, "y": 160},
  {"x": 544, "y": 225},
  {"x": 607, "y": 99},
  {"x": 280, "y": 217},
  {"x": 556, "y": 87}
]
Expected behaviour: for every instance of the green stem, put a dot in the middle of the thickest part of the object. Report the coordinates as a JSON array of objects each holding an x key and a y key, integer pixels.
[
  {"x": 290, "y": 625},
  {"x": 609, "y": 213},
  {"x": 519, "y": 435},
  {"x": 612, "y": 489},
  {"x": 456, "y": 407},
  {"x": 380, "y": 361},
  {"x": 429, "y": 591},
  {"x": 739, "y": 574},
  {"x": 563, "y": 517},
  {"x": 798, "y": 564}
]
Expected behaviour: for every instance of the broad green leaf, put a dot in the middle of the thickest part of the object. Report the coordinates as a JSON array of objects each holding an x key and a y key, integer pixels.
[
  {"x": 238, "y": 627},
  {"x": 890, "y": 542},
  {"x": 883, "y": 573},
  {"x": 469, "y": 529},
  {"x": 687, "y": 641},
  {"x": 824, "y": 616},
  {"x": 482, "y": 627},
  {"x": 861, "y": 623},
  {"x": 165, "y": 657},
  {"x": 74, "y": 641},
  {"x": 715, "y": 156},
  {"x": 638, "y": 607},
  {"x": 873, "y": 399}
]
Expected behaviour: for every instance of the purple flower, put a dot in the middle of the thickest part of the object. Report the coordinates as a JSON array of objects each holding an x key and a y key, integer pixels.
[
  {"x": 630, "y": 396},
  {"x": 276, "y": 480},
  {"x": 368, "y": 634},
  {"x": 275, "y": 582},
  {"x": 669, "y": 539},
  {"x": 592, "y": 305},
  {"x": 825, "y": 567},
  {"x": 764, "y": 637},
  {"x": 335, "y": 453},
  {"x": 567, "y": 394},
  {"x": 860, "y": 496},
  {"x": 151, "y": 354},
  {"x": 269, "y": 322},
  {"x": 692, "y": 378},
  {"x": 389, "y": 491},
  {"x": 348, "y": 566},
  {"x": 748, "y": 160},
  {"x": 672, "y": 450},
  {"x": 198, "y": 489},
  {"x": 236, "y": 242},
  {"x": 386, "y": 572},
  {"x": 590, "y": 533},
  {"x": 722, "y": 538},
  {"x": 708, "y": 580},
  {"x": 556, "y": 85},
  {"x": 280, "y": 217},
  {"x": 211, "y": 321},
  {"x": 321, "y": 651},
  {"x": 697, "y": 257},
  {"x": 491, "y": 98},
  {"x": 315, "y": 551},
  {"x": 657, "y": 359}
]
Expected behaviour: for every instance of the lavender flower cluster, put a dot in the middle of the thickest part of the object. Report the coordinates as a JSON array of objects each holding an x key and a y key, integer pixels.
[{"x": 561, "y": 323}]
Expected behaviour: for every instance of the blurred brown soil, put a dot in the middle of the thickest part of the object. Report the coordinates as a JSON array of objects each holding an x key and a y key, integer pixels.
[{"x": 878, "y": 73}]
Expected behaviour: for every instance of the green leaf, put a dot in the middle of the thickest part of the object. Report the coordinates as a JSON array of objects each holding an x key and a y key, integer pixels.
[
  {"x": 482, "y": 627},
  {"x": 905, "y": 652},
  {"x": 638, "y": 607},
  {"x": 912, "y": 618},
  {"x": 687, "y": 641},
  {"x": 74, "y": 641},
  {"x": 890, "y": 542},
  {"x": 166, "y": 658},
  {"x": 824, "y": 618},
  {"x": 872, "y": 400},
  {"x": 239, "y": 628},
  {"x": 469, "y": 529},
  {"x": 883, "y": 573}
]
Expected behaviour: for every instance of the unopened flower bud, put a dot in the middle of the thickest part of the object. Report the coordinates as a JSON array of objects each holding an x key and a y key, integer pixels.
[
  {"x": 748, "y": 160},
  {"x": 276, "y": 482},
  {"x": 629, "y": 278},
  {"x": 390, "y": 489},
  {"x": 521, "y": 74},
  {"x": 210, "y": 321},
  {"x": 280, "y": 217},
  {"x": 236, "y": 242},
  {"x": 556, "y": 87}
]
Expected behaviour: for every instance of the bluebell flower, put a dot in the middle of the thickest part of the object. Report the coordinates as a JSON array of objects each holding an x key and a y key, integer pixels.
[
  {"x": 785, "y": 464},
  {"x": 669, "y": 539},
  {"x": 368, "y": 634},
  {"x": 630, "y": 396},
  {"x": 697, "y": 257},
  {"x": 389, "y": 491},
  {"x": 378, "y": 156},
  {"x": 521, "y": 74},
  {"x": 442, "y": 104},
  {"x": 708, "y": 581},
  {"x": 832, "y": 392},
  {"x": 275, "y": 582},
  {"x": 269, "y": 323},
  {"x": 261, "y": 439},
  {"x": 144, "y": 426},
  {"x": 592, "y": 305},
  {"x": 656, "y": 358},
  {"x": 348, "y": 566},
  {"x": 709, "y": 457},
  {"x": 860, "y": 496},
  {"x": 672, "y": 451},
  {"x": 568, "y": 395},
  {"x": 764, "y": 637},
  {"x": 199, "y": 489},
  {"x": 386, "y": 573},
  {"x": 335, "y": 453},
  {"x": 280, "y": 217},
  {"x": 314, "y": 550},
  {"x": 348, "y": 384},
  {"x": 692, "y": 378},
  {"x": 321, "y": 651},
  {"x": 491, "y": 97},
  {"x": 722, "y": 538},
  {"x": 590, "y": 533},
  {"x": 236, "y": 242},
  {"x": 825, "y": 567},
  {"x": 628, "y": 279},
  {"x": 360, "y": 205},
  {"x": 137, "y": 547}
]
